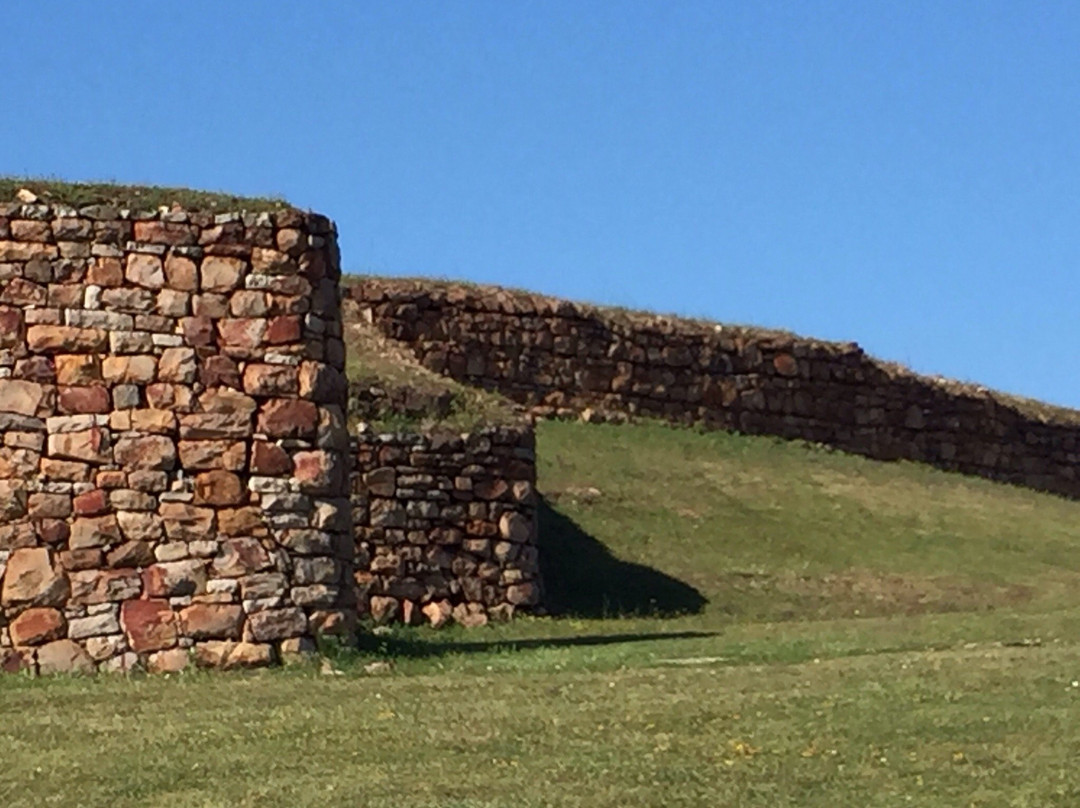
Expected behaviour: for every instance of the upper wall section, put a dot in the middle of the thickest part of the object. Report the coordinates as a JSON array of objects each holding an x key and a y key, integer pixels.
[
  {"x": 173, "y": 474},
  {"x": 560, "y": 358}
]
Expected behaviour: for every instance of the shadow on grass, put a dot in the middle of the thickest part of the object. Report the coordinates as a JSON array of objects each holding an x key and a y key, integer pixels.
[
  {"x": 583, "y": 579},
  {"x": 399, "y": 644}
]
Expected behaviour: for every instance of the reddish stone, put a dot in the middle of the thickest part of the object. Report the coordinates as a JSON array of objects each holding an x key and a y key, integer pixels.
[
  {"x": 177, "y": 365},
  {"x": 105, "y": 272},
  {"x": 227, "y": 233},
  {"x": 230, "y": 655},
  {"x": 438, "y": 612},
  {"x": 146, "y": 452},
  {"x": 75, "y": 400},
  {"x": 89, "y": 445},
  {"x": 184, "y": 522},
  {"x": 14, "y": 660},
  {"x": 66, "y": 339},
  {"x": 37, "y": 626},
  {"x": 270, "y": 380},
  {"x": 104, "y": 586},
  {"x": 242, "y": 332},
  {"x": 383, "y": 610},
  {"x": 215, "y": 425},
  {"x": 145, "y": 270},
  {"x": 64, "y": 656},
  {"x": 221, "y": 274},
  {"x": 180, "y": 273},
  {"x": 318, "y": 472},
  {"x": 226, "y": 400},
  {"x": 271, "y": 262},
  {"x": 92, "y": 503},
  {"x": 32, "y": 580},
  {"x": 36, "y": 368},
  {"x": 110, "y": 479},
  {"x": 173, "y": 234},
  {"x": 269, "y": 459},
  {"x": 172, "y": 660},
  {"x": 131, "y": 554},
  {"x": 217, "y": 371},
  {"x": 290, "y": 240},
  {"x": 94, "y": 531},
  {"x": 17, "y": 536},
  {"x": 87, "y": 559},
  {"x": 288, "y": 418},
  {"x": 238, "y": 557},
  {"x": 219, "y": 488},
  {"x": 53, "y": 531},
  {"x": 283, "y": 329},
  {"x": 240, "y": 522},
  {"x": 150, "y": 625},
  {"x": 25, "y": 398},
  {"x": 786, "y": 365},
  {"x": 139, "y": 369},
  {"x": 77, "y": 369},
  {"x": 198, "y": 331},
  {"x": 199, "y": 455},
  {"x": 524, "y": 593},
  {"x": 175, "y": 578},
  {"x": 165, "y": 396},
  {"x": 66, "y": 471},
  {"x": 11, "y": 321},
  {"x": 22, "y": 292},
  {"x": 212, "y": 621},
  {"x": 277, "y": 624}
]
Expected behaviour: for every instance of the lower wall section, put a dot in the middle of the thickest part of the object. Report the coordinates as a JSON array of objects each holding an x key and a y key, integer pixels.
[
  {"x": 446, "y": 526},
  {"x": 225, "y": 584}
]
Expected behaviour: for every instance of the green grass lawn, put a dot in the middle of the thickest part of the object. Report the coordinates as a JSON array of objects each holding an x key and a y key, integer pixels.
[{"x": 741, "y": 621}]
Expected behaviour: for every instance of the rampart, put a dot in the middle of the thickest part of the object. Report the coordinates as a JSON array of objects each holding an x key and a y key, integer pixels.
[
  {"x": 173, "y": 474},
  {"x": 559, "y": 358}
]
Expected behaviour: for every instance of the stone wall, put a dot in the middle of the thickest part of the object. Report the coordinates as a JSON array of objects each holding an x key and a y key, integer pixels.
[
  {"x": 173, "y": 468},
  {"x": 446, "y": 525},
  {"x": 560, "y": 358}
]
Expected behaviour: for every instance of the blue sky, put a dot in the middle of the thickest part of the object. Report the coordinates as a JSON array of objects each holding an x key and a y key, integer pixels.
[{"x": 905, "y": 175}]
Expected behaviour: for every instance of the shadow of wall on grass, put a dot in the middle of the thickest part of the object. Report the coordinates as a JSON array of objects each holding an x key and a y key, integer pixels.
[
  {"x": 404, "y": 643},
  {"x": 583, "y": 579}
]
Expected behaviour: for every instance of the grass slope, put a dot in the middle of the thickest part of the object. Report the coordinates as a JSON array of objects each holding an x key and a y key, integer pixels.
[
  {"x": 380, "y": 364},
  {"x": 748, "y": 622}
]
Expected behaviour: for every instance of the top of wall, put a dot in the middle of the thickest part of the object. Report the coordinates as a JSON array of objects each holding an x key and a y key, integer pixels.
[
  {"x": 136, "y": 198},
  {"x": 675, "y": 331}
]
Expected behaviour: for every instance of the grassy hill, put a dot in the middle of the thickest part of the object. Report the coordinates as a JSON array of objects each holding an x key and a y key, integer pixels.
[{"x": 740, "y": 621}]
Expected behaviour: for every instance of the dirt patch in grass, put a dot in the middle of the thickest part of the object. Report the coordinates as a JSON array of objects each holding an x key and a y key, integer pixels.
[{"x": 865, "y": 593}]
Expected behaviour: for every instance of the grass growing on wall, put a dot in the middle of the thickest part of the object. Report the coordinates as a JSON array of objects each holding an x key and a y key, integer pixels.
[
  {"x": 134, "y": 197},
  {"x": 744, "y": 621},
  {"x": 375, "y": 361}
]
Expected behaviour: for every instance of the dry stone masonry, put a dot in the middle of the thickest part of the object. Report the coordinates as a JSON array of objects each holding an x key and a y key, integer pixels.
[
  {"x": 173, "y": 468},
  {"x": 560, "y": 358},
  {"x": 446, "y": 525},
  {"x": 177, "y": 482}
]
